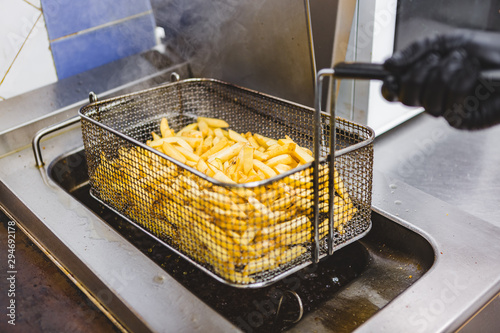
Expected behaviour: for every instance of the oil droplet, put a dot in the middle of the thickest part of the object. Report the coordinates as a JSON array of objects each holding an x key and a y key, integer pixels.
[{"x": 159, "y": 279}]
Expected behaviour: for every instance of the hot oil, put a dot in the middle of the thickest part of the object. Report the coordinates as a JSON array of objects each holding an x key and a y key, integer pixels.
[{"x": 252, "y": 310}]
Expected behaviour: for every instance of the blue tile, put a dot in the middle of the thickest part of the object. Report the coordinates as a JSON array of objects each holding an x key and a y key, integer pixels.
[
  {"x": 82, "y": 52},
  {"x": 66, "y": 17}
]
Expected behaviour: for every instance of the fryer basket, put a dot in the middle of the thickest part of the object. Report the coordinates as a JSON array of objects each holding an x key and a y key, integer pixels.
[{"x": 244, "y": 235}]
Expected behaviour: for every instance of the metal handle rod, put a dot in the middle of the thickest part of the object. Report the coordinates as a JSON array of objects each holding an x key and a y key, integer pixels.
[
  {"x": 301, "y": 308},
  {"x": 40, "y": 134},
  {"x": 361, "y": 71},
  {"x": 35, "y": 144},
  {"x": 317, "y": 142}
]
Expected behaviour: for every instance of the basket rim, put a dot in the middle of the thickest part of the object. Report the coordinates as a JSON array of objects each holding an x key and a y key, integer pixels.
[{"x": 365, "y": 142}]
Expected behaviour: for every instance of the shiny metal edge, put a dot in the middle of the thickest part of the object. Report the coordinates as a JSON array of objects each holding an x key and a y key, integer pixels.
[
  {"x": 68, "y": 274},
  {"x": 465, "y": 274},
  {"x": 46, "y": 131},
  {"x": 120, "y": 276},
  {"x": 69, "y": 264},
  {"x": 20, "y": 136}
]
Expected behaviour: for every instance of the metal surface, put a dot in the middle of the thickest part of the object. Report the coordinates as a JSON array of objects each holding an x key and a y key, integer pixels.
[
  {"x": 458, "y": 167},
  {"x": 264, "y": 45},
  {"x": 485, "y": 320},
  {"x": 38, "y": 281},
  {"x": 24, "y": 115},
  {"x": 120, "y": 164},
  {"x": 466, "y": 250},
  {"x": 70, "y": 230},
  {"x": 299, "y": 301},
  {"x": 357, "y": 280},
  {"x": 451, "y": 200}
]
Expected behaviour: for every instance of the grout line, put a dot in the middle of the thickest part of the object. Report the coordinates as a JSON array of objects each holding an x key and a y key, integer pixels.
[
  {"x": 103, "y": 25},
  {"x": 32, "y": 5},
  {"x": 17, "y": 54}
]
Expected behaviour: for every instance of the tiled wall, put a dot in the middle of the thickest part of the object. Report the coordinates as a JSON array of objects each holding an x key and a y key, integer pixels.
[
  {"x": 42, "y": 41},
  {"x": 87, "y": 33},
  {"x": 25, "y": 59}
]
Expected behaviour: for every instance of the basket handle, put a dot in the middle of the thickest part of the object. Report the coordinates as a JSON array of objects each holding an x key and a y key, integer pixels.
[
  {"x": 35, "y": 143},
  {"x": 317, "y": 139}
]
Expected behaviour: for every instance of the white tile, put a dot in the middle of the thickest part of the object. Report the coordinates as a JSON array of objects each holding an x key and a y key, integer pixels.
[
  {"x": 17, "y": 18},
  {"x": 34, "y": 66},
  {"x": 35, "y": 3}
]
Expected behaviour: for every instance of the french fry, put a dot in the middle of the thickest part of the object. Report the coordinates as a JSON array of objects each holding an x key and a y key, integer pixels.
[
  {"x": 189, "y": 155},
  {"x": 236, "y": 137},
  {"x": 202, "y": 166},
  {"x": 285, "y": 141},
  {"x": 302, "y": 156},
  {"x": 213, "y": 122},
  {"x": 261, "y": 140},
  {"x": 206, "y": 145},
  {"x": 261, "y": 264},
  {"x": 258, "y": 155},
  {"x": 164, "y": 128},
  {"x": 220, "y": 176},
  {"x": 297, "y": 237},
  {"x": 238, "y": 230},
  {"x": 176, "y": 140},
  {"x": 289, "y": 148},
  {"x": 169, "y": 150},
  {"x": 187, "y": 128},
  {"x": 217, "y": 163},
  {"x": 216, "y": 148},
  {"x": 268, "y": 172},
  {"x": 194, "y": 142},
  {"x": 155, "y": 136},
  {"x": 252, "y": 141},
  {"x": 291, "y": 254},
  {"x": 297, "y": 223},
  {"x": 227, "y": 153},
  {"x": 280, "y": 168},
  {"x": 203, "y": 127},
  {"x": 192, "y": 134},
  {"x": 218, "y": 133},
  {"x": 217, "y": 199},
  {"x": 247, "y": 157},
  {"x": 280, "y": 159}
]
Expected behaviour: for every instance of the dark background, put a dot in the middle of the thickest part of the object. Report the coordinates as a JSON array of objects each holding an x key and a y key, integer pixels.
[{"x": 421, "y": 18}]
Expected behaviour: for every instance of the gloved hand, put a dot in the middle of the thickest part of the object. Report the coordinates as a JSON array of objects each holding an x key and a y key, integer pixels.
[{"x": 442, "y": 75}]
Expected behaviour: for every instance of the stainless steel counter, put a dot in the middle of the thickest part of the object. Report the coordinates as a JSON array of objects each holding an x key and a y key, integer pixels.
[{"x": 461, "y": 168}]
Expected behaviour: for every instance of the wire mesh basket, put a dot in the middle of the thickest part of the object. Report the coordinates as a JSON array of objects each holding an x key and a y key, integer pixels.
[{"x": 243, "y": 234}]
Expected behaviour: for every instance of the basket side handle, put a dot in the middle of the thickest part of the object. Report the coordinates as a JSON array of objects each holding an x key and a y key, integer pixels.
[{"x": 35, "y": 143}]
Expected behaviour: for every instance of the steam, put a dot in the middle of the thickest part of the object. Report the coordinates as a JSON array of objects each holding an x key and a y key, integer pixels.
[{"x": 194, "y": 28}]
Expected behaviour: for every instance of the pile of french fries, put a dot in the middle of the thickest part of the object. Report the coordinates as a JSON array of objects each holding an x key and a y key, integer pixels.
[{"x": 238, "y": 232}]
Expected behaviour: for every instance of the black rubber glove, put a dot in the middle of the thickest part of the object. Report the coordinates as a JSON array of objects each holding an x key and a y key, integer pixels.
[{"x": 442, "y": 75}]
